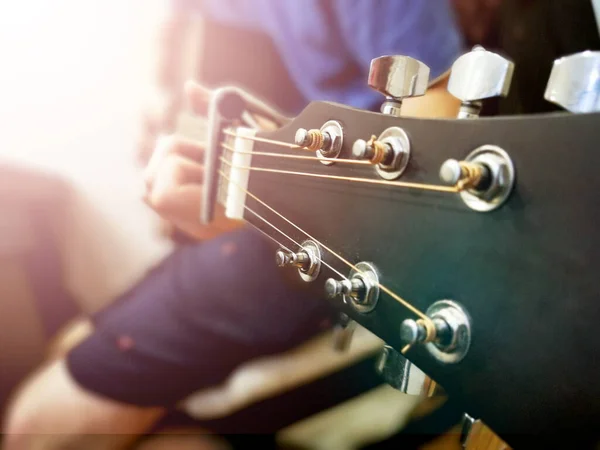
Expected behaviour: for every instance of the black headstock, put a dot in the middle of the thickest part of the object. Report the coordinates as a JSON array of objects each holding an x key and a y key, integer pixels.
[{"x": 523, "y": 268}]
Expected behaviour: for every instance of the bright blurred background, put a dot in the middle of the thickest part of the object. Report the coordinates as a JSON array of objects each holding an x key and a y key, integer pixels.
[
  {"x": 73, "y": 78},
  {"x": 73, "y": 231}
]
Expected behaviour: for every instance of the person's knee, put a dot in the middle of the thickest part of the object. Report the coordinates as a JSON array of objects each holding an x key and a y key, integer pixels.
[
  {"x": 18, "y": 434},
  {"x": 51, "y": 411},
  {"x": 23, "y": 418},
  {"x": 69, "y": 337},
  {"x": 182, "y": 439},
  {"x": 21, "y": 431}
]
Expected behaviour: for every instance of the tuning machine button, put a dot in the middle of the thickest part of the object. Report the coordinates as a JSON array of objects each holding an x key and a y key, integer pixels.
[
  {"x": 326, "y": 142},
  {"x": 476, "y": 76},
  {"x": 574, "y": 82},
  {"x": 447, "y": 335},
  {"x": 389, "y": 153},
  {"x": 485, "y": 178},
  {"x": 360, "y": 289},
  {"x": 397, "y": 78},
  {"x": 307, "y": 259}
]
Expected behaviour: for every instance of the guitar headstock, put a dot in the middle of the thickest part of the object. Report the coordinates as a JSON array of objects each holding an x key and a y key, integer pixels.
[{"x": 468, "y": 244}]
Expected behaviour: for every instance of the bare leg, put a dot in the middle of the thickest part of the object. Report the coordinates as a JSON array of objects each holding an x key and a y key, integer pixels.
[{"x": 182, "y": 439}]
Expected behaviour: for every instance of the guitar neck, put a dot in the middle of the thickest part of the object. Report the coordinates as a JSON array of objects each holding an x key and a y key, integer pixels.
[{"x": 469, "y": 246}]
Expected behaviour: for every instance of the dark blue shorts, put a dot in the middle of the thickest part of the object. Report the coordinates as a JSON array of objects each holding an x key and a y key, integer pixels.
[{"x": 193, "y": 319}]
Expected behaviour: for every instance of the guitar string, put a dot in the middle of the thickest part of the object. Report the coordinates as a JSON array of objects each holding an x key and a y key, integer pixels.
[
  {"x": 285, "y": 247},
  {"x": 395, "y": 296},
  {"x": 284, "y": 234},
  {"x": 426, "y": 187},
  {"x": 402, "y": 351},
  {"x": 266, "y": 141},
  {"x": 280, "y": 231},
  {"x": 309, "y": 158}
]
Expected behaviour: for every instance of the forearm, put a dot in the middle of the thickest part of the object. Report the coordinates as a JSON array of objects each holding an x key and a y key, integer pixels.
[
  {"x": 163, "y": 90},
  {"x": 167, "y": 73},
  {"x": 169, "y": 43}
]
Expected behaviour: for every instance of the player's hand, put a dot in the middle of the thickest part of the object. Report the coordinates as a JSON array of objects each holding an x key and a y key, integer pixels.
[{"x": 173, "y": 178}]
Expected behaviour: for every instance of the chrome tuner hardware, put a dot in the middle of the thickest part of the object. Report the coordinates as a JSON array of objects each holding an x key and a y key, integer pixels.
[
  {"x": 343, "y": 332},
  {"x": 574, "y": 83},
  {"x": 452, "y": 331},
  {"x": 360, "y": 290},
  {"x": 485, "y": 178},
  {"x": 465, "y": 174},
  {"x": 476, "y": 76},
  {"x": 400, "y": 373},
  {"x": 326, "y": 142},
  {"x": 398, "y": 77},
  {"x": 467, "y": 426},
  {"x": 390, "y": 152},
  {"x": 307, "y": 260}
]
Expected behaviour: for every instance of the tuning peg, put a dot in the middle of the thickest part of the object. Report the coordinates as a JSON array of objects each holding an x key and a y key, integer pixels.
[
  {"x": 327, "y": 141},
  {"x": 301, "y": 259},
  {"x": 354, "y": 288},
  {"x": 464, "y": 174},
  {"x": 476, "y": 76},
  {"x": 374, "y": 151},
  {"x": 574, "y": 82},
  {"x": 401, "y": 374},
  {"x": 307, "y": 260},
  {"x": 446, "y": 331},
  {"x": 467, "y": 427},
  {"x": 360, "y": 289},
  {"x": 398, "y": 77}
]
